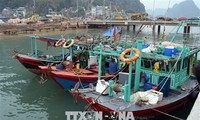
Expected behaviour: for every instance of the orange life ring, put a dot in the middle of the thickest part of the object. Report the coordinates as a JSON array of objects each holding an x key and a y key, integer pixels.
[
  {"x": 135, "y": 57},
  {"x": 60, "y": 42},
  {"x": 68, "y": 46}
]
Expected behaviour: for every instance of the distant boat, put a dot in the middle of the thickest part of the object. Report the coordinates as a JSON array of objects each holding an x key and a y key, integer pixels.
[
  {"x": 4, "y": 19},
  {"x": 110, "y": 31}
]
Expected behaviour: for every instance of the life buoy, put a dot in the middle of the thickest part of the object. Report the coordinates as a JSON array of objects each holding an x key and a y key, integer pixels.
[
  {"x": 60, "y": 42},
  {"x": 68, "y": 46},
  {"x": 122, "y": 55}
]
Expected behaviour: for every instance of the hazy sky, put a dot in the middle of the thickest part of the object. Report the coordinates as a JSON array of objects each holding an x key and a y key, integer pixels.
[{"x": 149, "y": 4}]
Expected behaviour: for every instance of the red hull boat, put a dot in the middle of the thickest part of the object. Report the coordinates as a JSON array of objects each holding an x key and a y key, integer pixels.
[
  {"x": 35, "y": 58},
  {"x": 66, "y": 78},
  {"x": 162, "y": 81},
  {"x": 108, "y": 106},
  {"x": 33, "y": 63}
]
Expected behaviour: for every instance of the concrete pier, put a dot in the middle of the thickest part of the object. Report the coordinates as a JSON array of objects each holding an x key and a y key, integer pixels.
[
  {"x": 128, "y": 28},
  {"x": 159, "y": 27},
  {"x": 195, "y": 112},
  {"x": 22, "y": 28}
]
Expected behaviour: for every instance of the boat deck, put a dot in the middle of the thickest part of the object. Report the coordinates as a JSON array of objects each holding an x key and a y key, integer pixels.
[
  {"x": 116, "y": 102},
  {"x": 86, "y": 72}
]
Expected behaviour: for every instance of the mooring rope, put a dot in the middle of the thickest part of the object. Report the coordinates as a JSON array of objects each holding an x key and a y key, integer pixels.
[{"x": 172, "y": 116}]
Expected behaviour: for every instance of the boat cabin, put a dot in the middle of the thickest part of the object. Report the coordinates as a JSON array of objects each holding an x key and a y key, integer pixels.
[{"x": 176, "y": 68}]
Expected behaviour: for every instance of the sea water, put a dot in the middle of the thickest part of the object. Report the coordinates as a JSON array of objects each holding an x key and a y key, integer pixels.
[{"x": 23, "y": 97}]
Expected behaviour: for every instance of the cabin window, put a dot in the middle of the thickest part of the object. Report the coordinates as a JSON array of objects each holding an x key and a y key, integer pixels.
[
  {"x": 142, "y": 63},
  {"x": 162, "y": 66},
  {"x": 186, "y": 63},
  {"x": 178, "y": 66},
  {"x": 147, "y": 63},
  {"x": 188, "y": 68},
  {"x": 172, "y": 67}
]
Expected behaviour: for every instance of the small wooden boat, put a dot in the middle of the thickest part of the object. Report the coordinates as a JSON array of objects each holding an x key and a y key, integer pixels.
[
  {"x": 66, "y": 78},
  {"x": 69, "y": 75},
  {"x": 34, "y": 59}
]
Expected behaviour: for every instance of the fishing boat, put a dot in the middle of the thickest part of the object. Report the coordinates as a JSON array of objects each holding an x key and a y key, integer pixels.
[
  {"x": 111, "y": 31},
  {"x": 36, "y": 58},
  {"x": 159, "y": 83},
  {"x": 82, "y": 68},
  {"x": 82, "y": 65}
]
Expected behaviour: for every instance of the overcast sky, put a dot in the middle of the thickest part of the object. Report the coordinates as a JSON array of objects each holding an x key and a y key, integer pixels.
[{"x": 149, "y": 4}]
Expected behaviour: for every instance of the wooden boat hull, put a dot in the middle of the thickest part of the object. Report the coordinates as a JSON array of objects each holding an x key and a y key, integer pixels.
[
  {"x": 67, "y": 80},
  {"x": 147, "y": 113},
  {"x": 31, "y": 63},
  {"x": 150, "y": 111}
]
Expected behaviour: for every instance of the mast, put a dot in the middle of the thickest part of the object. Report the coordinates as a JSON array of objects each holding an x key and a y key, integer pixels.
[
  {"x": 33, "y": 6},
  {"x": 104, "y": 10},
  {"x": 35, "y": 46},
  {"x": 154, "y": 34},
  {"x": 77, "y": 8},
  {"x": 110, "y": 11}
]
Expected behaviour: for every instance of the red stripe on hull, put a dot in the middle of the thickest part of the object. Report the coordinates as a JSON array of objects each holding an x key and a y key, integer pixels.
[
  {"x": 83, "y": 78},
  {"x": 149, "y": 112},
  {"x": 32, "y": 64}
]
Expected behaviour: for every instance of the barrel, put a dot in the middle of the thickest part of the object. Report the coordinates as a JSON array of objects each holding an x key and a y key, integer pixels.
[
  {"x": 147, "y": 86},
  {"x": 169, "y": 51},
  {"x": 112, "y": 67},
  {"x": 164, "y": 83},
  {"x": 59, "y": 66}
]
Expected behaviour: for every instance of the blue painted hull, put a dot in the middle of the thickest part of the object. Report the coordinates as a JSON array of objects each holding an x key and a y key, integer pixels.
[
  {"x": 69, "y": 84},
  {"x": 67, "y": 80}
]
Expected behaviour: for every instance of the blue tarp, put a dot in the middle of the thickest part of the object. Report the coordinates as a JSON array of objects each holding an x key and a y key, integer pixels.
[
  {"x": 109, "y": 32},
  {"x": 50, "y": 41},
  {"x": 4, "y": 19},
  {"x": 47, "y": 39}
]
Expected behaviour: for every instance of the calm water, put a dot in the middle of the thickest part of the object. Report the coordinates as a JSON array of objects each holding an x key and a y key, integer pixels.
[{"x": 21, "y": 95}]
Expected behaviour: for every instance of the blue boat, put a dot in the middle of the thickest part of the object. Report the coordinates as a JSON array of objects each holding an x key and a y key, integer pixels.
[{"x": 110, "y": 31}]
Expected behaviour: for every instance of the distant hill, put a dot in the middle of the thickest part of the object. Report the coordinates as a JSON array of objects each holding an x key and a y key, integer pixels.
[
  {"x": 41, "y": 6},
  {"x": 186, "y": 8},
  {"x": 156, "y": 12}
]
